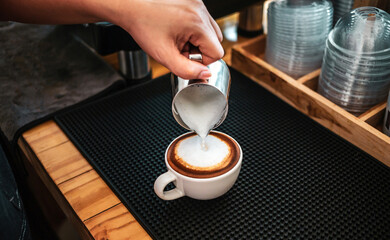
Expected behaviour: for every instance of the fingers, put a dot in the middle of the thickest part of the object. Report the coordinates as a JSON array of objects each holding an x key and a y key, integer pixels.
[
  {"x": 209, "y": 45},
  {"x": 206, "y": 60},
  {"x": 216, "y": 29},
  {"x": 181, "y": 66},
  {"x": 207, "y": 39}
]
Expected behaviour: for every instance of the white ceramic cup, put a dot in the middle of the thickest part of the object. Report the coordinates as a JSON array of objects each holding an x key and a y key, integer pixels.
[{"x": 197, "y": 188}]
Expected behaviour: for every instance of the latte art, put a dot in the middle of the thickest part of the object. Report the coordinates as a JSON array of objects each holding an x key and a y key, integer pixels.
[
  {"x": 190, "y": 152},
  {"x": 187, "y": 157}
]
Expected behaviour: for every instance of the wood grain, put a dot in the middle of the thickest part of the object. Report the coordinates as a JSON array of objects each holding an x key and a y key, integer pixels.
[
  {"x": 375, "y": 115},
  {"x": 88, "y": 195},
  {"x": 310, "y": 80},
  {"x": 115, "y": 223},
  {"x": 77, "y": 188},
  {"x": 63, "y": 162},
  {"x": 309, "y": 102},
  {"x": 45, "y": 136},
  {"x": 51, "y": 186}
]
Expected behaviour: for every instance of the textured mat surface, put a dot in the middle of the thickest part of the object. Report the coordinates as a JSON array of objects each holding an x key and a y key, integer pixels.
[{"x": 298, "y": 180}]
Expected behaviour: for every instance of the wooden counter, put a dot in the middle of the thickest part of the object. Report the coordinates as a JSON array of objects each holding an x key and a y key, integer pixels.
[{"x": 82, "y": 195}]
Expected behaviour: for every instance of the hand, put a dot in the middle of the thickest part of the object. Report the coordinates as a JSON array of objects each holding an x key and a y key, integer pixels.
[{"x": 164, "y": 29}]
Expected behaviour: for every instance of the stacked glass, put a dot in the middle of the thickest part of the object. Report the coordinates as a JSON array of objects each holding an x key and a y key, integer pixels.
[
  {"x": 356, "y": 66},
  {"x": 297, "y": 31},
  {"x": 342, "y": 7}
]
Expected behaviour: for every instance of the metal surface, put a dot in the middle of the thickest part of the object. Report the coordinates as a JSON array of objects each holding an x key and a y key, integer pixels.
[
  {"x": 220, "y": 81},
  {"x": 104, "y": 37},
  {"x": 251, "y": 18},
  {"x": 195, "y": 54},
  {"x": 134, "y": 64}
]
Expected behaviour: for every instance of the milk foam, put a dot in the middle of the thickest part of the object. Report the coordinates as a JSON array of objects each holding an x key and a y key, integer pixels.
[
  {"x": 200, "y": 107},
  {"x": 190, "y": 151}
]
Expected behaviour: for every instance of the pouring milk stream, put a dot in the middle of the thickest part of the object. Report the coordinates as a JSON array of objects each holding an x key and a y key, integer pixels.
[
  {"x": 201, "y": 108},
  {"x": 202, "y": 105}
]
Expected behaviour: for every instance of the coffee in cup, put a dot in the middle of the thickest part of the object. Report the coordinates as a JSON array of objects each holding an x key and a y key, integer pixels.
[
  {"x": 187, "y": 157},
  {"x": 197, "y": 173}
]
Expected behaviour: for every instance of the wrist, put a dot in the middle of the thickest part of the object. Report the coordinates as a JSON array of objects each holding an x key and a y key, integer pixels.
[{"x": 117, "y": 11}]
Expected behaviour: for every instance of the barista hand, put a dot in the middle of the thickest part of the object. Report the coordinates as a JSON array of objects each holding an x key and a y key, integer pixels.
[{"x": 162, "y": 28}]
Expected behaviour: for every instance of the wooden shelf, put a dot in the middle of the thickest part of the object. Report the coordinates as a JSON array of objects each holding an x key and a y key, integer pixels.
[{"x": 363, "y": 131}]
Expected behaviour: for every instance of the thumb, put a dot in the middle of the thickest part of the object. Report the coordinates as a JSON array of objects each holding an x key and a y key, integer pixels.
[{"x": 185, "y": 68}]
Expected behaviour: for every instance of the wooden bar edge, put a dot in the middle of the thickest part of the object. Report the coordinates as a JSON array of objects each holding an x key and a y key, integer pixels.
[{"x": 54, "y": 190}]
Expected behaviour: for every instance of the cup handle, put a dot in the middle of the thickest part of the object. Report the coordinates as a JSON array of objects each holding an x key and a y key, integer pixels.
[{"x": 161, "y": 182}]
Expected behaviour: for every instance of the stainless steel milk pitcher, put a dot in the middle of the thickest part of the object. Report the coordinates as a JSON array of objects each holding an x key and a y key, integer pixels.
[{"x": 218, "y": 83}]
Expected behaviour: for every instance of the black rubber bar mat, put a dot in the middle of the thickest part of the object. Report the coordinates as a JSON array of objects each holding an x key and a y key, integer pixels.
[{"x": 298, "y": 179}]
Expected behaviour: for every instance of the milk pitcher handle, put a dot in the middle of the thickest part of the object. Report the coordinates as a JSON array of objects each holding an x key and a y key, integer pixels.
[{"x": 195, "y": 54}]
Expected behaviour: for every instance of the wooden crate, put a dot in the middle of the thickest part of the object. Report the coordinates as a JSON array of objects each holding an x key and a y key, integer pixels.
[{"x": 364, "y": 131}]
